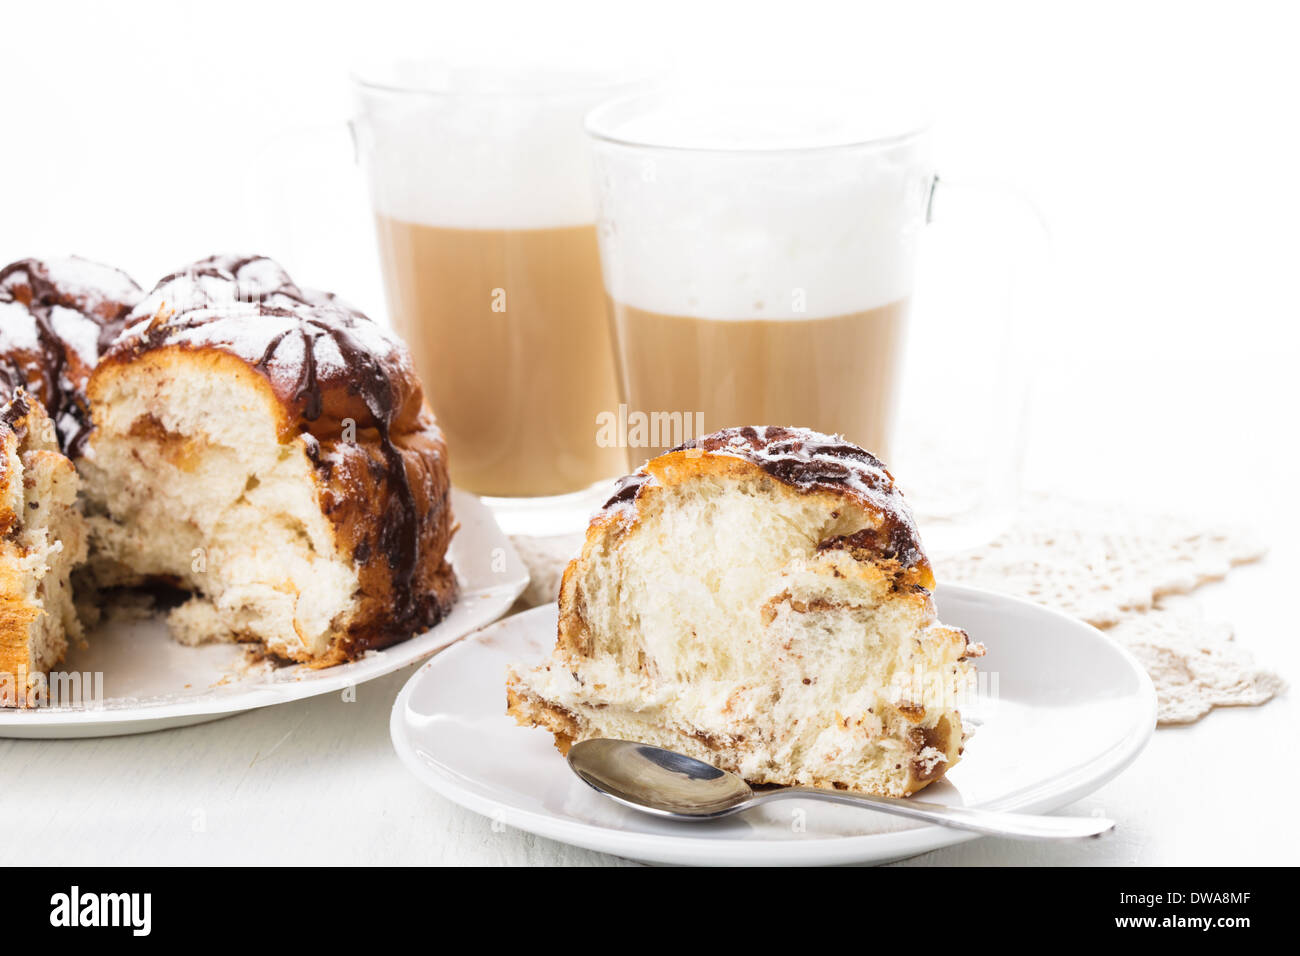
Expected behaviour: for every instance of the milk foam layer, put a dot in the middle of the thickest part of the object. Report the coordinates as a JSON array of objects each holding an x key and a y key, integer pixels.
[
  {"x": 484, "y": 149},
  {"x": 759, "y": 120},
  {"x": 756, "y": 215}
]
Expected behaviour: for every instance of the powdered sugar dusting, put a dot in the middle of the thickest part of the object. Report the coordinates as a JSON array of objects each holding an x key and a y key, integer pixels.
[
  {"x": 220, "y": 283},
  {"x": 18, "y": 332},
  {"x": 250, "y": 307},
  {"x": 80, "y": 333},
  {"x": 92, "y": 281},
  {"x": 99, "y": 291}
]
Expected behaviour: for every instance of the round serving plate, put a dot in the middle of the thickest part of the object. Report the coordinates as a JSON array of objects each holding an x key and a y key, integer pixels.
[
  {"x": 1061, "y": 710},
  {"x": 134, "y": 677}
]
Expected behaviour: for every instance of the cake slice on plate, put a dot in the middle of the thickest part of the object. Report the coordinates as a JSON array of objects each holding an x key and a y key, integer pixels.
[{"x": 758, "y": 599}]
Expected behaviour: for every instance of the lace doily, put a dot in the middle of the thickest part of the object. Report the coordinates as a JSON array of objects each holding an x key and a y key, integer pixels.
[
  {"x": 1121, "y": 570},
  {"x": 1193, "y": 661},
  {"x": 1098, "y": 562},
  {"x": 546, "y": 559}
]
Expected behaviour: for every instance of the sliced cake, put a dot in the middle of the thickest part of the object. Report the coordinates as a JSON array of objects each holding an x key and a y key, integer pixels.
[{"x": 758, "y": 599}]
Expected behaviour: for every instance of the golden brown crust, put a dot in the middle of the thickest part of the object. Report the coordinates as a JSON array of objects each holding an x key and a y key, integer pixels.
[
  {"x": 27, "y": 454},
  {"x": 529, "y": 710},
  {"x": 806, "y": 461},
  {"x": 351, "y": 478},
  {"x": 850, "y": 480},
  {"x": 16, "y": 612},
  {"x": 330, "y": 367}
]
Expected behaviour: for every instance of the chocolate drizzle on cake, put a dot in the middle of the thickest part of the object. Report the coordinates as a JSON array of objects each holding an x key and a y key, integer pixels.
[
  {"x": 627, "y": 489},
  {"x": 99, "y": 292},
  {"x": 809, "y": 460},
  {"x": 399, "y": 535},
  {"x": 306, "y": 343},
  {"x": 90, "y": 301},
  {"x": 15, "y": 408}
]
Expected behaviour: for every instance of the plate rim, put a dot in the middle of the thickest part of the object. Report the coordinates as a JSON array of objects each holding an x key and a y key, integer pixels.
[
  {"x": 876, "y": 847},
  {"x": 214, "y": 705}
]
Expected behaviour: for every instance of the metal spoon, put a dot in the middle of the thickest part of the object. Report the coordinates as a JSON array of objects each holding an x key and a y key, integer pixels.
[{"x": 672, "y": 785}]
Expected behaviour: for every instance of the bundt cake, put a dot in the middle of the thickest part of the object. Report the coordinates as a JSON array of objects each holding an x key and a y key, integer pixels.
[
  {"x": 758, "y": 599},
  {"x": 262, "y": 446}
]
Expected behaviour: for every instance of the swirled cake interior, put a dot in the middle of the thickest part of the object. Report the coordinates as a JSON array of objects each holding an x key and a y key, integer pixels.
[
  {"x": 772, "y": 628},
  {"x": 190, "y": 483}
]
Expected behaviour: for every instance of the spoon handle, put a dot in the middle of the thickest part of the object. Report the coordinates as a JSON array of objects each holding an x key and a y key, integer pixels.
[{"x": 1020, "y": 826}]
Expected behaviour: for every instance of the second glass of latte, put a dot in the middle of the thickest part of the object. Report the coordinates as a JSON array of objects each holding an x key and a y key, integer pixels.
[{"x": 759, "y": 257}]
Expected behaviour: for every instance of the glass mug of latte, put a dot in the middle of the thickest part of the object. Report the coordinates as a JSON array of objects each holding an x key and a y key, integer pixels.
[
  {"x": 480, "y": 180},
  {"x": 760, "y": 256}
]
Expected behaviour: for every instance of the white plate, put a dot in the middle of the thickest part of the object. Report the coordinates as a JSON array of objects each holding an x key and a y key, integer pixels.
[
  {"x": 1070, "y": 710},
  {"x": 150, "y": 682}
]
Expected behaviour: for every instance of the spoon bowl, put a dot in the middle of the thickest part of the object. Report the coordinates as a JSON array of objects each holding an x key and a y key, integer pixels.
[{"x": 658, "y": 781}]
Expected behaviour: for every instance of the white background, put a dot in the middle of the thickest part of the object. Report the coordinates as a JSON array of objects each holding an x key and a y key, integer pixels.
[{"x": 1159, "y": 140}]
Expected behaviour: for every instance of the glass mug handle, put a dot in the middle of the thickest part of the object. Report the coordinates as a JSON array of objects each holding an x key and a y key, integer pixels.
[
  {"x": 305, "y": 206},
  {"x": 981, "y": 299}
]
